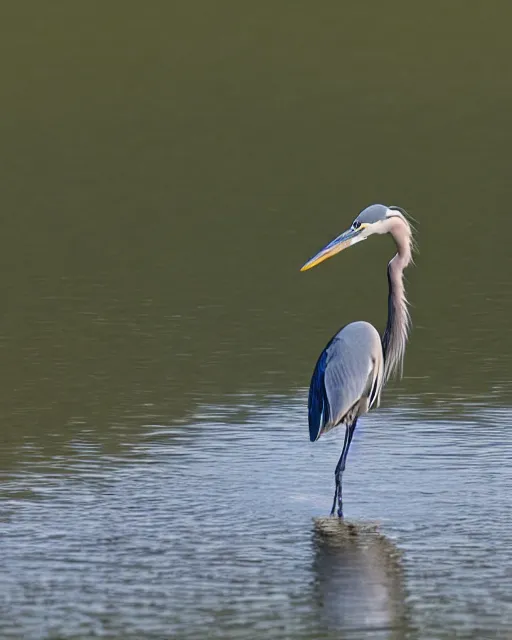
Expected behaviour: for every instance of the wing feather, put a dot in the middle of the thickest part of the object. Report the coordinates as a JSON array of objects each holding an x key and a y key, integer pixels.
[{"x": 348, "y": 370}]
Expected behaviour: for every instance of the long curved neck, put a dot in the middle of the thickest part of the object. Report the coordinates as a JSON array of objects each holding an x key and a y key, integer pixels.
[{"x": 394, "y": 340}]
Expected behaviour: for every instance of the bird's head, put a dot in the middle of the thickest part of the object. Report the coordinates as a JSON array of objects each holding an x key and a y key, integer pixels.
[{"x": 377, "y": 218}]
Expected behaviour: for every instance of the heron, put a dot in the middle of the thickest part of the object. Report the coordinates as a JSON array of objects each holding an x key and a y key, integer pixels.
[{"x": 357, "y": 362}]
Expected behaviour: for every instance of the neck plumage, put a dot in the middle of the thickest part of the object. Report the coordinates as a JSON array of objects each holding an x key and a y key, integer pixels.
[{"x": 394, "y": 340}]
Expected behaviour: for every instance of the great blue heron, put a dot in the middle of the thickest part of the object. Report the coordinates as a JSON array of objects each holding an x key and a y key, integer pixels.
[{"x": 353, "y": 368}]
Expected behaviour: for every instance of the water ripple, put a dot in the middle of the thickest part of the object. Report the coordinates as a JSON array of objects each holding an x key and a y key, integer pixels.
[{"x": 209, "y": 526}]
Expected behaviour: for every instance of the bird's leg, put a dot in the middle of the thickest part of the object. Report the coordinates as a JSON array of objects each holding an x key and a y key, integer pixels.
[
  {"x": 333, "y": 510},
  {"x": 340, "y": 468},
  {"x": 337, "y": 476}
]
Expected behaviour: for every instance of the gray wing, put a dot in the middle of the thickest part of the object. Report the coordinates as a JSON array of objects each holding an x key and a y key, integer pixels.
[{"x": 347, "y": 379}]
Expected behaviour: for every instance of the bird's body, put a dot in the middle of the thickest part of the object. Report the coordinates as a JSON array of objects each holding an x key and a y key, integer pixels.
[
  {"x": 347, "y": 378},
  {"x": 352, "y": 369}
]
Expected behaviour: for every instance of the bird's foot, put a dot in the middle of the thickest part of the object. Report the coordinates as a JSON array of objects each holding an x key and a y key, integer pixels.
[
  {"x": 340, "y": 504},
  {"x": 338, "y": 497}
]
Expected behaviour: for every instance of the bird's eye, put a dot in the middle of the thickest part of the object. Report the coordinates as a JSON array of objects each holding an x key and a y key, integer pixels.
[{"x": 356, "y": 224}]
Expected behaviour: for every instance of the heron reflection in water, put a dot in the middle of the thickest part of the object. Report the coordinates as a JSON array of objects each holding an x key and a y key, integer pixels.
[
  {"x": 353, "y": 368},
  {"x": 359, "y": 581}
]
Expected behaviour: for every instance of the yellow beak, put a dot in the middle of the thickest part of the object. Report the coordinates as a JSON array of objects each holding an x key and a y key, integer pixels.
[{"x": 343, "y": 241}]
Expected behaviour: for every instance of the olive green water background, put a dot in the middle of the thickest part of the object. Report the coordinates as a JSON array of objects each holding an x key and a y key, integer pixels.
[{"x": 166, "y": 168}]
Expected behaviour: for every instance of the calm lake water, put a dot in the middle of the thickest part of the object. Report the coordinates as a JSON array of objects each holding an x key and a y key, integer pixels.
[{"x": 166, "y": 170}]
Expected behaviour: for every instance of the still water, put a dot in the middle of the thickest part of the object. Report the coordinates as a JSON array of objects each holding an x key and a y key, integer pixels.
[{"x": 165, "y": 173}]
